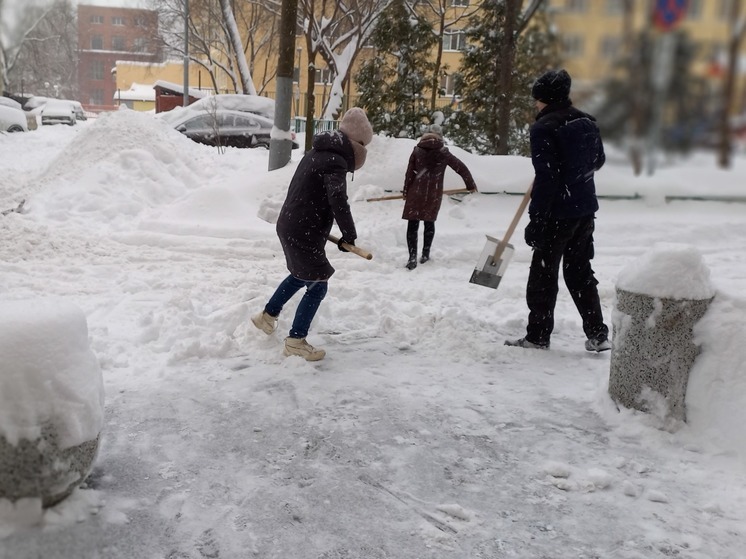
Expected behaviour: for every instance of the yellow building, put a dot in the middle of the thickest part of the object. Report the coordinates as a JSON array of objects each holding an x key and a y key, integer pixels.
[{"x": 593, "y": 34}]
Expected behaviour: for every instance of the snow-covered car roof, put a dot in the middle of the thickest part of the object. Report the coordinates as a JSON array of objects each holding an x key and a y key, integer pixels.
[
  {"x": 180, "y": 115},
  {"x": 256, "y": 104},
  {"x": 8, "y": 102},
  {"x": 58, "y": 107}
]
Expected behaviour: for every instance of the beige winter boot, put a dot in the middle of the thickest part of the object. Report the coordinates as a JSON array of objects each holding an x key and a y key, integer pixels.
[
  {"x": 265, "y": 322},
  {"x": 300, "y": 347}
]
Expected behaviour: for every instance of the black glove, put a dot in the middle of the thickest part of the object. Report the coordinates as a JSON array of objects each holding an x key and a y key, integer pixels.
[
  {"x": 345, "y": 241},
  {"x": 536, "y": 232}
]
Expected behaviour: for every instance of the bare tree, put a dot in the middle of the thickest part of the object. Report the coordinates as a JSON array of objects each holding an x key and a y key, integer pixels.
[
  {"x": 737, "y": 30},
  {"x": 337, "y": 30},
  {"x": 18, "y": 21},
  {"x": 231, "y": 29},
  {"x": 515, "y": 23},
  {"x": 215, "y": 43}
]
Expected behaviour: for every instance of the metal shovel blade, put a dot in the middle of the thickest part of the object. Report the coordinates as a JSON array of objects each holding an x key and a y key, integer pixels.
[{"x": 488, "y": 271}]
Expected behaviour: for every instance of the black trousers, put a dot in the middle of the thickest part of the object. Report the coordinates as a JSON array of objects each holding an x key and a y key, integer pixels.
[{"x": 569, "y": 242}]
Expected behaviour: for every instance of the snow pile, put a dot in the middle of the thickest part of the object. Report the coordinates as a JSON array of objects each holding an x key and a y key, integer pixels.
[
  {"x": 48, "y": 373},
  {"x": 668, "y": 271},
  {"x": 118, "y": 166}
]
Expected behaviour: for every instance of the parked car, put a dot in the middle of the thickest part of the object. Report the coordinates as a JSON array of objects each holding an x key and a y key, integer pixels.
[
  {"x": 58, "y": 111},
  {"x": 12, "y": 119},
  {"x": 224, "y": 128}
]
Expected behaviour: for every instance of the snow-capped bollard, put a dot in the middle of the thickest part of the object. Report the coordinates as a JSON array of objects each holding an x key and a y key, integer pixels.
[
  {"x": 51, "y": 400},
  {"x": 660, "y": 298}
]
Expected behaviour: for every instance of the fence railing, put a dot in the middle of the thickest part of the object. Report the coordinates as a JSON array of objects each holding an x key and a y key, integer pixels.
[{"x": 319, "y": 125}]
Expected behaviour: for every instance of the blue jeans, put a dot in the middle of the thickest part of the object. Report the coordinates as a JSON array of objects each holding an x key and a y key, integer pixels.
[{"x": 309, "y": 304}]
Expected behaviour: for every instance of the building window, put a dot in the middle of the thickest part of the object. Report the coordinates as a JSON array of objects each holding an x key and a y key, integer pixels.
[
  {"x": 97, "y": 70},
  {"x": 572, "y": 46},
  {"x": 139, "y": 44},
  {"x": 447, "y": 83},
  {"x": 140, "y": 21},
  {"x": 117, "y": 20},
  {"x": 97, "y": 97},
  {"x": 323, "y": 75},
  {"x": 454, "y": 40},
  {"x": 694, "y": 9},
  {"x": 726, "y": 9},
  {"x": 117, "y": 43},
  {"x": 611, "y": 47},
  {"x": 614, "y": 7},
  {"x": 576, "y": 6},
  {"x": 97, "y": 19},
  {"x": 97, "y": 42},
  {"x": 459, "y": 3}
]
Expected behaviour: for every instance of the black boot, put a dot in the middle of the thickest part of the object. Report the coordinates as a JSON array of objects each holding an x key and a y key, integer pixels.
[
  {"x": 427, "y": 241},
  {"x": 412, "y": 244}
]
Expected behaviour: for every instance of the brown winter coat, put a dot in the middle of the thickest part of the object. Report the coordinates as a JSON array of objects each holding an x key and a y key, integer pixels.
[{"x": 423, "y": 183}]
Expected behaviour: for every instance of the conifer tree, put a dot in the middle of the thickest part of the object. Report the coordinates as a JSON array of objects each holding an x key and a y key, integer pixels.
[
  {"x": 476, "y": 125},
  {"x": 393, "y": 84}
]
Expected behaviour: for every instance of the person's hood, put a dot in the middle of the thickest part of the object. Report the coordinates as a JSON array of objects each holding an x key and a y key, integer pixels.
[
  {"x": 430, "y": 141},
  {"x": 337, "y": 142}
]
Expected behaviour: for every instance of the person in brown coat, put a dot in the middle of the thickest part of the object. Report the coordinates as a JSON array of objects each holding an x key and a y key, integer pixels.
[{"x": 423, "y": 189}]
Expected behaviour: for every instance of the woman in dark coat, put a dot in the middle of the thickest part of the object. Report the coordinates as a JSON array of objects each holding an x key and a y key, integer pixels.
[
  {"x": 317, "y": 196},
  {"x": 423, "y": 189}
]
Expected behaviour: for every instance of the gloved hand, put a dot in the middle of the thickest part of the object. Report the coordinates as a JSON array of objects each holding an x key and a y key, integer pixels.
[
  {"x": 345, "y": 241},
  {"x": 536, "y": 232}
]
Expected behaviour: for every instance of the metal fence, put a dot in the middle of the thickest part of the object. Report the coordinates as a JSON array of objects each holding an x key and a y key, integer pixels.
[{"x": 319, "y": 125}]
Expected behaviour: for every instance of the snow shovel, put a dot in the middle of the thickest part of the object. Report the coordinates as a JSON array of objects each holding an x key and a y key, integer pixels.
[
  {"x": 496, "y": 254},
  {"x": 400, "y": 196},
  {"x": 351, "y": 248}
]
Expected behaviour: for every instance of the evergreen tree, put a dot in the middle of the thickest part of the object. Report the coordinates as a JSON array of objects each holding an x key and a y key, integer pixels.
[
  {"x": 475, "y": 125},
  {"x": 393, "y": 85}
]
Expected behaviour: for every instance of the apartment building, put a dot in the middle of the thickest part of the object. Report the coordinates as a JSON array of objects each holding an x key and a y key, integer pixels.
[
  {"x": 106, "y": 35},
  {"x": 594, "y": 33}
]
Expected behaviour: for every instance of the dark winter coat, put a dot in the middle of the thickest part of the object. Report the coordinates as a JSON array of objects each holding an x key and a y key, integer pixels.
[
  {"x": 423, "y": 183},
  {"x": 566, "y": 150},
  {"x": 317, "y": 196}
]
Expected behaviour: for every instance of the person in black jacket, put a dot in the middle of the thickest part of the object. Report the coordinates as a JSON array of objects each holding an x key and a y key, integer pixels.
[
  {"x": 317, "y": 196},
  {"x": 566, "y": 151}
]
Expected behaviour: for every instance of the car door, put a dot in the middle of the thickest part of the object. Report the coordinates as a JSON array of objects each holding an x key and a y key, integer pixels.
[{"x": 250, "y": 131}]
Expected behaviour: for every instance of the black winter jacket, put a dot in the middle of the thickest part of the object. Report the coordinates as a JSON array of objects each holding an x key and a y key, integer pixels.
[
  {"x": 317, "y": 196},
  {"x": 566, "y": 150}
]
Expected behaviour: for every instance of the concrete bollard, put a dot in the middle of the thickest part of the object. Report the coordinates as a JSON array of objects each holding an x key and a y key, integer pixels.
[
  {"x": 51, "y": 401},
  {"x": 660, "y": 298}
]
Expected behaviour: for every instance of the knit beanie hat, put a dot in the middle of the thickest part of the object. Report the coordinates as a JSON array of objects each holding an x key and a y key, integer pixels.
[
  {"x": 356, "y": 127},
  {"x": 436, "y": 129},
  {"x": 552, "y": 87}
]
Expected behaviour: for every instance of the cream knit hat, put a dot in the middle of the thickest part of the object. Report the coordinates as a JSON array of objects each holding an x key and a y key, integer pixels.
[{"x": 356, "y": 127}]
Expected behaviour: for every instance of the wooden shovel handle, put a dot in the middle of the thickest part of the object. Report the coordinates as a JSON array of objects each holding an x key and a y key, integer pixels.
[
  {"x": 351, "y": 248},
  {"x": 513, "y": 224},
  {"x": 400, "y": 196}
]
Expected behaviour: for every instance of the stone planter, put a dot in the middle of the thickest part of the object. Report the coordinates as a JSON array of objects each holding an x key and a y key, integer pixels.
[
  {"x": 51, "y": 400},
  {"x": 41, "y": 469},
  {"x": 653, "y": 351}
]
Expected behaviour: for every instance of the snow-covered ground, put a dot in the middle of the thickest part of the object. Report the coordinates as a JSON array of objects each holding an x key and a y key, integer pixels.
[{"x": 420, "y": 435}]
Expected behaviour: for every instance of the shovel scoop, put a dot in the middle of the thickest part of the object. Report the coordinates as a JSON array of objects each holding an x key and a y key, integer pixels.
[{"x": 496, "y": 254}]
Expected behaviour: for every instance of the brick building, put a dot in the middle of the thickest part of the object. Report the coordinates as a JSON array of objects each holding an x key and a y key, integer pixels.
[{"x": 106, "y": 35}]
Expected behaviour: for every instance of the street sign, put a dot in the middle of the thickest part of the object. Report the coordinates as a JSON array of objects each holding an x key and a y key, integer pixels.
[{"x": 668, "y": 13}]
